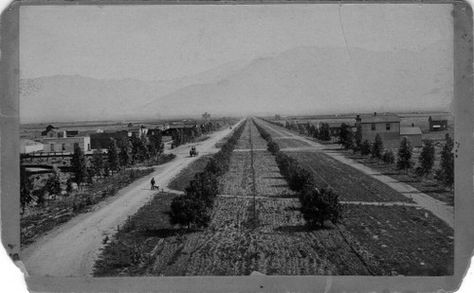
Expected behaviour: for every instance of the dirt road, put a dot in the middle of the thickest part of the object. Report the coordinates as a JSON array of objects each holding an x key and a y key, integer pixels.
[{"x": 71, "y": 249}]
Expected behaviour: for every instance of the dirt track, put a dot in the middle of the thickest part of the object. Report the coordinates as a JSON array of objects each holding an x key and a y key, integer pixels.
[{"x": 71, "y": 249}]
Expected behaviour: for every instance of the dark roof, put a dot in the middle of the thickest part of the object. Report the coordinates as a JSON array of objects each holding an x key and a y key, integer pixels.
[
  {"x": 379, "y": 118},
  {"x": 70, "y": 133},
  {"x": 438, "y": 118},
  {"x": 48, "y": 129}
]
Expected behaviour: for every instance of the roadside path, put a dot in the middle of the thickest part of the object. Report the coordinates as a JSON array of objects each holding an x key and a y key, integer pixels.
[
  {"x": 71, "y": 249},
  {"x": 437, "y": 207}
]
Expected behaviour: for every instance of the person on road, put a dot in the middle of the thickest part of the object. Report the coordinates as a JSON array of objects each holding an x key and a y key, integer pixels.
[{"x": 152, "y": 183}]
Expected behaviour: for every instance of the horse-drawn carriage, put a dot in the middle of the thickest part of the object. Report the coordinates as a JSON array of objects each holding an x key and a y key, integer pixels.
[{"x": 193, "y": 152}]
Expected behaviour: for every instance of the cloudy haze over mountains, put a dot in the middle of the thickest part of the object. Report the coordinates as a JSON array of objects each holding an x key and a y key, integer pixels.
[{"x": 301, "y": 80}]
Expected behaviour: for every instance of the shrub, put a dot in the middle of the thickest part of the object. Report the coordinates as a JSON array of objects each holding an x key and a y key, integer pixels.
[
  {"x": 365, "y": 148},
  {"x": 299, "y": 178},
  {"x": 446, "y": 172},
  {"x": 388, "y": 157},
  {"x": 358, "y": 138},
  {"x": 194, "y": 207},
  {"x": 426, "y": 158},
  {"x": 346, "y": 137},
  {"x": 187, "y": 211},
  {"x": 404, "y": 155},
  {"x": 204, "y": 187},
  {"x": 319, "y": 205},
  {"x": 53, "y": 184},
  {"x": 273, "y": 147},
  {"x": 377, "y": 147}
]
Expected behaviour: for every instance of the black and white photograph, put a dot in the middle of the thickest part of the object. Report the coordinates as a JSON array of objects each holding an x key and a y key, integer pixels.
[{"x": 237, "y": 140}]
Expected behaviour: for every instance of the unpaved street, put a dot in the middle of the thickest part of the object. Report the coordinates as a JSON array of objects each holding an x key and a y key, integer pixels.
[{"x": 70, "y": 250}]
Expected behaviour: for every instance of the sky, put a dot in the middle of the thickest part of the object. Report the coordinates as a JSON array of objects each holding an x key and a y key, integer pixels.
[
  {"x": 163, "y": 42},
  {"x": 202, "y": 45}
]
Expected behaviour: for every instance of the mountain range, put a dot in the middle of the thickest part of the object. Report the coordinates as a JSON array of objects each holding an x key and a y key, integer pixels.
[{"x": 303, "y": 80}]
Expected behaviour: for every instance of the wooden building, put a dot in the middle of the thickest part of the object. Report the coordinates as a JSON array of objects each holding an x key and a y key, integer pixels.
[
  {"x": 438, "y": 123},
  {"x": 413, "y": 135},
  {"x": 386, "y": 125}
]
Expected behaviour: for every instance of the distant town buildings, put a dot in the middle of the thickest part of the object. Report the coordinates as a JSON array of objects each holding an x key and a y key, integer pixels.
[
  {"x": 137, "y": 131},
  {"x": 66, "y": 144}
]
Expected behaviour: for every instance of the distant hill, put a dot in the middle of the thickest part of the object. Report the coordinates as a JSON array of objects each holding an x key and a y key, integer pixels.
[{"x": 299, "y": 81}]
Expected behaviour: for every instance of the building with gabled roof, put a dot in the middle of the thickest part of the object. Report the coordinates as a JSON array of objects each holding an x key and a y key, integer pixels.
[{"x": 386, "y": 125}]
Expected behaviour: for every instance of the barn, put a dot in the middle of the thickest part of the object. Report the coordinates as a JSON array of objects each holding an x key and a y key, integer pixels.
[
  {"x": 386, "y": 125},
  {"x": 413, "y": 135}
]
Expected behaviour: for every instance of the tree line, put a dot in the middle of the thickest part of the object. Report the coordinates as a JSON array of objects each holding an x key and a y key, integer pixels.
[
  {"x": 404, "y": 161},
  {"x": 120, "y": 154},
  {"x": 185, "y": 135},
  {"x": 317, "y": 204},
  {"x": 308, "y": 129},
  {"x": 353, "y": 141},
  {"x": 193, "y": 209}
]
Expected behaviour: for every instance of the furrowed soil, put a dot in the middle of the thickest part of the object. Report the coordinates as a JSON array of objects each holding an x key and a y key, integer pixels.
[
  {"x": 291, "y": 143},
  {"x": 256, "y": 225},
  {"x": 427, "y": 185},
  {"x": 352, "y": 186},
  {"x": 403, "y": 240},
  {"x": 371, "y": 240}
]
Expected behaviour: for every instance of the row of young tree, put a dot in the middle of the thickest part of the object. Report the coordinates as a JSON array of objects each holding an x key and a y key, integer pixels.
[
  {"x": 404, "y": 161},
  {"x": 321, "y": 133},
  {"x": 193, "y": 209},
  {"x": 119, "y": 156},
  {"x": 186, "y": 135},
  {"x": 317, "y": 205}
]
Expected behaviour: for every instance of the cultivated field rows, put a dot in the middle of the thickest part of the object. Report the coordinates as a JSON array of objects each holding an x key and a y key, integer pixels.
[{"x": 267, "y": 233}]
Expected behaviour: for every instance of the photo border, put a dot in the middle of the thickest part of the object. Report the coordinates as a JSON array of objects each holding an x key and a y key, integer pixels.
[{"x": 464, "y": 200}]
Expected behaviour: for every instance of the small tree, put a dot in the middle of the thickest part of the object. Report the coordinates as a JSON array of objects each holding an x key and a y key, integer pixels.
[
  {"x": 187, "y": 211},
  {"x": 426, "y": 158},
  {"x": 97, "y": 163},
  {"x": 204, "y": 188},
  {"x": 273, "y": 147},
  {"x": 300, "y": 178},
  {"x": 446, "y": 172},
  {"x": 377, "y": 147},
  {"x": 112, "y": 157},
  {"x": 324, "y": 132},
  {"x": 319, "y": 205},
  {"x": 124, "y": 157},
  {"x": 365, "y": 148},
  {"x": 53, "y": 184},
  {"x": 404, "y": 155},
  {"x": 26, "y": 188},
  {"x": 388, "y": 157},
  {"x": 358, "y": 138},
  {"x": 346, "y": 138},
  {"x": 79, "y": 165}
]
